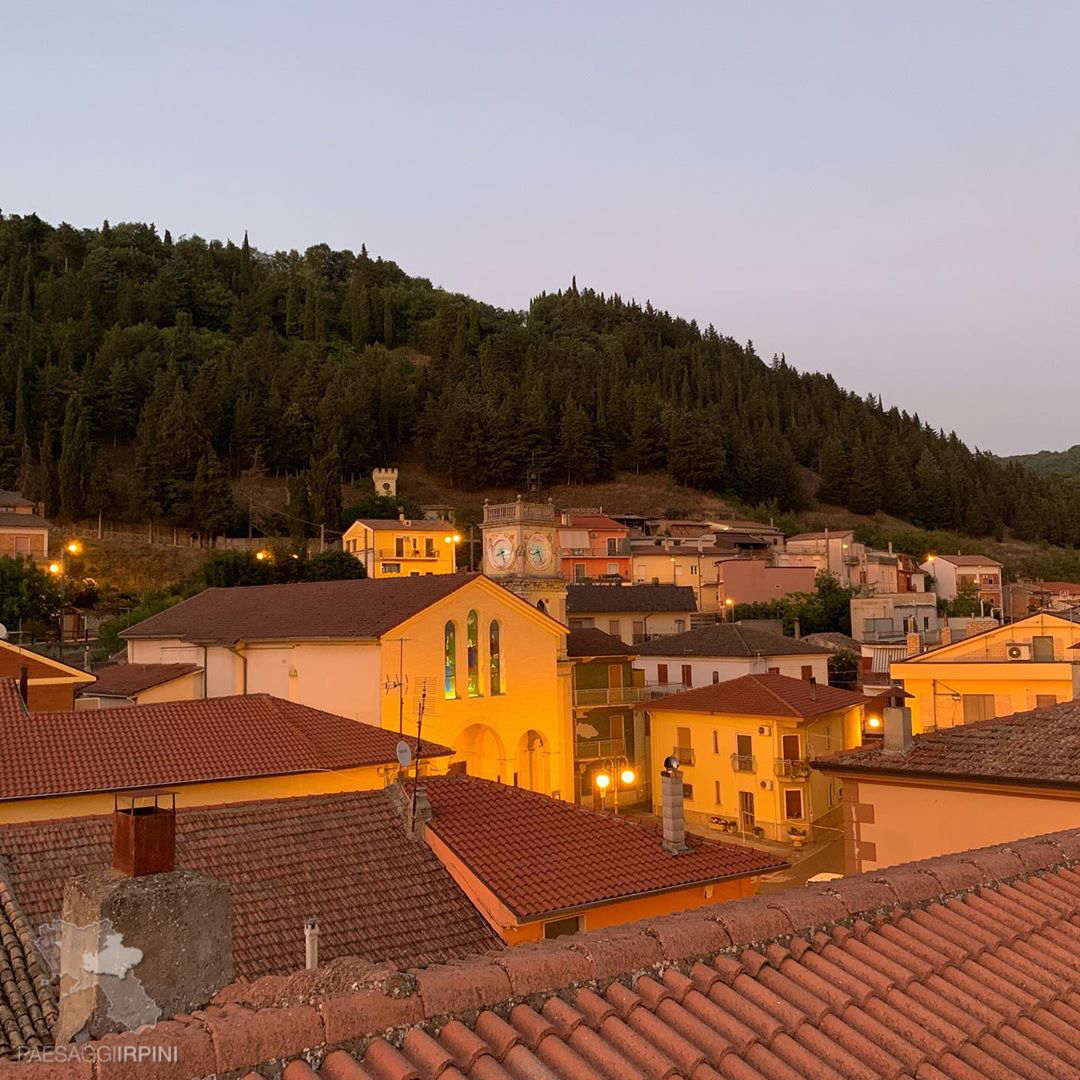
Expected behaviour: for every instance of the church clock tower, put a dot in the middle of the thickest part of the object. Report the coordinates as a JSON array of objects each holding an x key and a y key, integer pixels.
[{"x": 521, "y": 553}]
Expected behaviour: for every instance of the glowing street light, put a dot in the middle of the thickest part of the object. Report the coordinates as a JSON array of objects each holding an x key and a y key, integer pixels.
[
  {"x": 262, "y": 556},
  {"x": 873, "y": 722},
  {"x": 613, "y": 772},
  {"x": 73, "y": 547},
  {"x": 628, "y": 776},
  {"x": 603, "y": 781},
  {"x": 55, "y": 569}
]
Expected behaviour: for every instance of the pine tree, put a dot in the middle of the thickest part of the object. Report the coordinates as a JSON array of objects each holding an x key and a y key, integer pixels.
[
  {"x": 74, "y": 455},
  {"x": 9, "y": 453},
  {"x": 388, "y": 321},
  {"x": 48, "y": 481},
  {"x": 835, "y": 472},
  {"x": 578, "y": 450},
  {"x": 213, "y": 508}
]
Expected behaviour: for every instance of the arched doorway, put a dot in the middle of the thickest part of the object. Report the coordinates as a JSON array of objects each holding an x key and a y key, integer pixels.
[
  {"x": 532, "y": 767},
  {"x": 482, "y": 751}
]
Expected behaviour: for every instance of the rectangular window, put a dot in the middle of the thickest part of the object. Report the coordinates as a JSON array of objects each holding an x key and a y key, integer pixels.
[
  {"x": 807, "y": 671},
  {"x": 693, "y": 570},
  {"x": 716, "y": 791},
  {"x": 617, "y": 726},
  {"x": 579, "y": 571},
  {"x": 612, "y": 546},
  {"x": 1045, "y": 701},
  {"x": 639, "y": 629},
  {"x": 793, "y": 804},
  {"x": 661, "y": 673},
  {"x": 789, "y": 747},
  {"x": 680, "y": 626},
  {"x": 614, "y": 628},
  {"x": 687, "y": 792},
  {"x": 391, "y": 568},
  {"x": 613, "y": 568},
  {"x": 687, "y": 675},
  {"x": 715, "y": 741},
  {"x": 1042, "y": 648},
  {"x": 744, "y": 745},
  {"x": 399, "y": 547},
  {"x": 429, "y": 547},
  {"x": 978, "y": 707},
  {"x": 561, "y": 927},
  {"x": 774, "y": 671},
  {"x": 615, "y": 676},
  {"x": 716, "y": 676}
]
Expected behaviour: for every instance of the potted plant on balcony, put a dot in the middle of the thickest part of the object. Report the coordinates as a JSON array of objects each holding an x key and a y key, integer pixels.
[{"x": 797, "y": 836}]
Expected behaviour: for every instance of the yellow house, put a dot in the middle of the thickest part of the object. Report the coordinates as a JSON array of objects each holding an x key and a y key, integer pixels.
[
  {"x": 488, "y": 669},
  {"x": 1027, "y": 664},
  {"x": 207, "y": 752},
  {"x": 745, "y": 746},
  {"x": 989, "y": 782},
  {"x": 403, "y": 548}
]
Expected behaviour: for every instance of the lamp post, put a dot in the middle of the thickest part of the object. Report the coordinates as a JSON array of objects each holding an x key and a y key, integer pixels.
[
  {"x": 614, "y": 770},
  {"x": 729, "y": 603},
  {"x": 59, "y": 570},
  {"x": 455, "y": 539}
]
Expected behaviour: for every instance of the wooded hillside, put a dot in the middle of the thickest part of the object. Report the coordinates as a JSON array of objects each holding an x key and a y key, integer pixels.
[{"x": 209, "y": 358}]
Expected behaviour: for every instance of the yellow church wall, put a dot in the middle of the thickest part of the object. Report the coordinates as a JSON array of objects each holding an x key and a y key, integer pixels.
[{"x": 522, "y": 735}]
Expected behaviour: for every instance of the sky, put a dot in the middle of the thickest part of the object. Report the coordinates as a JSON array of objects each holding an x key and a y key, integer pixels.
[{"x": 886, "y": 192}]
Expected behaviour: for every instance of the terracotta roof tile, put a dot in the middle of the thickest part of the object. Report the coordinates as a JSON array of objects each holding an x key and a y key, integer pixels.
[
  {"x": 541, "y": 855},
  {"x": 729, "y": 639},
  {"x": 1041, "y": 747},
  {"x": 123, "y": 680},
  {"x": 592, "y": 642},
  {"x": 763, "y": 695},
  {"x": 380, "y": 896},
  {"x": 363, "y": 608},
  {"x": 179, "y": 742}
]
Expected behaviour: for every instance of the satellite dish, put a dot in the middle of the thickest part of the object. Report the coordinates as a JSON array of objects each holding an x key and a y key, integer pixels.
[
  {"x": 404, "y": 754},
  {"x": 3, "y": 632}
]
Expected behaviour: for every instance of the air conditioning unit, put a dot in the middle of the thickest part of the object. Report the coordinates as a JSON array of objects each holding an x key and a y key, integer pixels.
[
  {"x": 1018, "y": 651},
  {"x": 766, "y": 785},
  {"x": 764, "y": 730}
]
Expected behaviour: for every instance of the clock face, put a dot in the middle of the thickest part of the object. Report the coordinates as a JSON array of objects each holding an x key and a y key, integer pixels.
[
  {"x": 502, "y": 553},
  {"x": 539, "y": 551}
]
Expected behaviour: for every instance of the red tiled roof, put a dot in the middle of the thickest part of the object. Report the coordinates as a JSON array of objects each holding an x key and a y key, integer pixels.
[
  {"x": 345, "y": 859},
  {"x": 359, "y": 608},
  {"x": 595, "y": 521},
  {"x": 412, "y": 525},
  {"x": 1041, "y": 748},
  {"x": 541, "y": 855},
  {"x": 588, "y": 599},
  {"x": 181, "y": 742},
  {"x": 123, "y": 680},
  {"x": 832, "y": 534},
  {"x": 968, "y": 560},
  {"x": 592, "y": 642},
  {"x": 956, "y": 968},
  {"x": 763, "y": 695},
  {"x": 728, "y": 639}
]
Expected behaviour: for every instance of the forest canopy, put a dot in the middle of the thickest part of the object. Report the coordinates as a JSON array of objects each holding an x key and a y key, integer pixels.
[{"x": 206, "y": 359}]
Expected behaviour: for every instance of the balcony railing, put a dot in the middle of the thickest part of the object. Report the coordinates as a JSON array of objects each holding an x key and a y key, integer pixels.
[
  {"x": 612, "y": 695},
  {"x": 662, "y": 689},
  {"x": 685, "y": 754},
  {"x": 591, "y": 749},
  {"x": 791, "y": 768},
  {"x": 744, "y": 763},
  {"x": 519, "y": 511}
]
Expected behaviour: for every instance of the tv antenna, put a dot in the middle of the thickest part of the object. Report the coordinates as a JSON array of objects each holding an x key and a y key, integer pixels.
[
  {"x": 400, "y": 684},
  {"x": 424, "y": 705}
]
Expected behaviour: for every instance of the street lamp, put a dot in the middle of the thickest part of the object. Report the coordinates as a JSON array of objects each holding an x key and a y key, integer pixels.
[
  {"x": 729, "y": 603},
  {"x": 613, "y": 771},
  {"x": 262, "y": 556}
]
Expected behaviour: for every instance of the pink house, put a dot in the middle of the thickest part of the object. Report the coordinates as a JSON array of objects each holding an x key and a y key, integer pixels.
[{"x": 751, "y": 581}]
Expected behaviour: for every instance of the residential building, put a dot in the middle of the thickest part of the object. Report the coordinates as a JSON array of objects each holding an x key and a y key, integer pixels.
[
  {"x": 955, "y": 574},
  {"x": 963, "y": 966},
  {"x": 717, "y": 652},
  {"x": 539, "y": 868},
  {"x": 991, "y": 781},
  {"x": 23, "y": 531},
  {"x": 50, "y": 684},
  {"x": 1023, "y": 665},
  {"x": 754, "y": 581},
  {"x": 140, "y": 684},
  {"x": 285, "y": 862},
  {"x": 593, "y": 547},
  {"x": 690, "y": 563},
  {"x": 488, "y": 667},
  {"x": 609, "y": 731},
  {"x": 833, "y": 550},
  {"x": 1025, "y": 596},
  {"x": 890, "y": 617},
  {"x": 209, "y": 751},
  {"x": 745, "y": 746},
  {"x": 634, "y": 613},
  {"x": 402, "y": 547}
]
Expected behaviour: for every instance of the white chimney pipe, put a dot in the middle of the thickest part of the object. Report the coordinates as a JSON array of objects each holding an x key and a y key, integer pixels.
[
  {"x": 896, "y": 717},
  {"x": 311, "y": 944}
]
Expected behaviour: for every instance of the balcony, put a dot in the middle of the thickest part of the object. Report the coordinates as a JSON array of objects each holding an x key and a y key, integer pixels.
[
  {"x": 519, "y": 511},
  {"x": 593, "y": 749},
  {"x": 685, "y": 754},
  {"x": 611, "y": 695},
  {"x": 662, "y": 689},
  {"x": 791, "y": 768},
  {"x": 744, "y": 763}
]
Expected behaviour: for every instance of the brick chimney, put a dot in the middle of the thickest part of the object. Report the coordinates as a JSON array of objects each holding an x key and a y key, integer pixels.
[
  {"x": 896, "y": 717},
  {"x": 912, "y": 645},
  {"x": 142, "y": 940},
  {"x": 672, "y": 811},
  {"x": 946, "y": 635}
]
